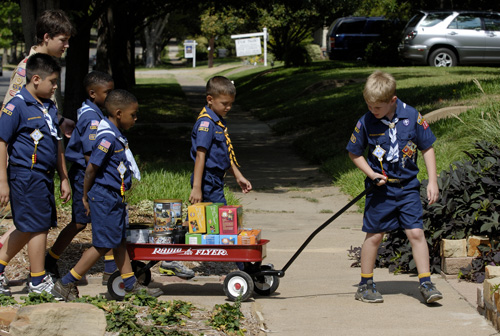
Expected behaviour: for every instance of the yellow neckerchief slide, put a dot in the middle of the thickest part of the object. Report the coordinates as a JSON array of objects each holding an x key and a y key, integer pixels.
[{"x": 230, "y": 148}]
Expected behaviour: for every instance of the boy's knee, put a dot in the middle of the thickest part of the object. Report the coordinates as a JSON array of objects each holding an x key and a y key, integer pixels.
[{"x": 415, "y": 234}]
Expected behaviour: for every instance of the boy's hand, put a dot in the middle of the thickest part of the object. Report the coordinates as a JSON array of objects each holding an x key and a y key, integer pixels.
[
  {"x": 4, "y": 194},
  {"x": 67, "y": 127},
  {"x": 65, "y": 191},
  {"x": 432, "y": 192},
  {"x": 86, "y": 205},
  {"x": 196, "y": 196},
  {"x": 382, "y": 179},
  {"x": 245, "y": 185}
]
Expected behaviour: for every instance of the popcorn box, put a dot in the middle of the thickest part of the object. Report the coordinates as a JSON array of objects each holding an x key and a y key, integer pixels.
[
  {"x": 228, "y": 239},
  {"x": 230, "y": 219},
  {"x": 249, "y": 237},
  {"x": 210, "y": 239},
  {"x": 196, "y": 217},
  {"x": 212, "y": 214},
  {"x": 193, "y": 238}
]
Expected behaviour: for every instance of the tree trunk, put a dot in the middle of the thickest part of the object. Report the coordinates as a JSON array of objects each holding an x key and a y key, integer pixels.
[
  {"x": 211, "y": 46},
  {"x": 104, "y": 41},
  {"x": 28, "y": 17},
  {"x": 152, "y": 37}
]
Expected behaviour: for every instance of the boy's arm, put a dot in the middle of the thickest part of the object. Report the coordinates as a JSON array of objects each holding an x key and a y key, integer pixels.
[
  {"x": 430, "y": 163},
  {"x": 361, "y": 163},
  {"x": 245, "y": 185},
  {"x": 88, "y": 181},
  {"x": 199, "y": 166},
  {"x": 63, "y": 173},
  {"x": 4, "y": 185}
]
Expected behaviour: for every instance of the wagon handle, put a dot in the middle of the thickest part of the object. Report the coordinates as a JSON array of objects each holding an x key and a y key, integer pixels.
[{"x": 281, "y": 273}]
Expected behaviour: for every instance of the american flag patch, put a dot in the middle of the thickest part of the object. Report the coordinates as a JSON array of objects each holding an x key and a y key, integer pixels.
[
  {"x": 21, "y": 72},
  {"x": 10, "y": 107},
  {"x": 105, "y": 143},
  {"x": 204, "y": 124},
  {"x": 94, "y": 123},
  {"x": 358, "y": 125}
]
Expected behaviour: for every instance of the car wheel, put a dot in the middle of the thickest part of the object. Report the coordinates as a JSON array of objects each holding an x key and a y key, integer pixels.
[{"x": 443, "y": 57}]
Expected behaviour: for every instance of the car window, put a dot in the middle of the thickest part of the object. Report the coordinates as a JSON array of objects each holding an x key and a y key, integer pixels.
[
  {"x": 351, "y": 27},
  {"x": 466, "y": 21},
  {"x": 492, "y": 22},
  {"x": 414, "y": 20},
  {"x": 374, "y": 26},
  {"x": 433, "y": 19}
]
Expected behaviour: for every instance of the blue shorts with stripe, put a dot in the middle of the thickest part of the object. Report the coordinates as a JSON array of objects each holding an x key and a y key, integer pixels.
[
  {"x": 108, "y": 213},
  {"x": 392, "y": 206},
  {"x": 32, "y": 199},
  {"x": 76, "y": 175}
]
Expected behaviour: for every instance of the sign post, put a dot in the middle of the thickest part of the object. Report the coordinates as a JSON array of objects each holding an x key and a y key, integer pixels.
[
  {"x": 251, "y": 46},
  {"x": 190, "y": 50}
]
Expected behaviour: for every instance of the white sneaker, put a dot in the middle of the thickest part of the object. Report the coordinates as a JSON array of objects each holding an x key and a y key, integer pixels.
[
  {"x": 4, "y": 287},
  {"x": 45, "y": 286}
]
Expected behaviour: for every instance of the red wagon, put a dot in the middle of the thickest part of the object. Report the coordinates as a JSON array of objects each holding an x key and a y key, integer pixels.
[{"x": 243, "y": 282}]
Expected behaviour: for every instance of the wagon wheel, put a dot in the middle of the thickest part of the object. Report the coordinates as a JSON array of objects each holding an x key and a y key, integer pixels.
[
  {"x": 116, "y": 288},
  {"x": 266, "y": 285},
  {"x": 238, "y": 283}
]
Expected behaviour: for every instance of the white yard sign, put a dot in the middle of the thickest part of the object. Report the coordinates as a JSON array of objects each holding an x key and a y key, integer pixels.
[
  {"x": 251, "y": 46},
  {"x": 248, "y": 47}
]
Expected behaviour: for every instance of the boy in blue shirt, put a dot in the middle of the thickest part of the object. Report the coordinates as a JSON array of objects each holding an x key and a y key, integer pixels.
[
  {"x": 97, "y": 85},
  {"x": 29, "y": 135},
  {"x": 107, "y": 176},
  {"x": 211, "y": 147},
  {"x": 393, "y": 132}
]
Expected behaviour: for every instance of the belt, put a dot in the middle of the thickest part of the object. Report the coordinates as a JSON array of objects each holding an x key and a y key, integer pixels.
[{"x": 48, "y": 172}]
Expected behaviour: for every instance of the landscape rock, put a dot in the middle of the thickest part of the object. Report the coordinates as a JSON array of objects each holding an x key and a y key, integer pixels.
[
  {"x": 7, "y": 315},
  {"x": 453, "y": 248},
  {"x": 59, "y": 319}
]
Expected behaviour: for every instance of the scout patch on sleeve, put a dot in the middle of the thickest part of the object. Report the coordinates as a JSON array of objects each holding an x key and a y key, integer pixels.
[
  {"x": 21, "y": 72},
  {"x": 353, "y": 138},
  {"x": 91, "y": 137},
  {"x": 420, "y": 119},
  {"x": 94, "y": 124},
  {"x": 8, "y": 109},
  {"x": 425, "y": 124},
  {"x": 104, "y": 145},
  {"x": 358, "y": 127},
  {"x": 204, "y": 126}
]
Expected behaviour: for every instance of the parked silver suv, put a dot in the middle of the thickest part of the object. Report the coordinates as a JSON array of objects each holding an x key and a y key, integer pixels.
[{"x": 449, "y": 38}]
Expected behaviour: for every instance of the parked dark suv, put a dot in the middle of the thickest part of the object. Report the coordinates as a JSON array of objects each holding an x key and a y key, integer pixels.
[
  {"x": 348, "y": 37},
  {"x": 449, "y": 38}
]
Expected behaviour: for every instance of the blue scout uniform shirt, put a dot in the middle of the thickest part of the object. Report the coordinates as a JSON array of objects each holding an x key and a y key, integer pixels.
[
  {"x": 412, "y": 132},
  {"x": 108, "y": 153},
  {"x": 21, "y": 117},
  {"x": 83, "y": 137},
  {"x": 207, "y": 134}
]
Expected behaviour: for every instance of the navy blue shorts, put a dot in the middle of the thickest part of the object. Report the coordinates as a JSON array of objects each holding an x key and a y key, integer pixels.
[
  {"x": 390, "y": 206},
  {"x": 32, "y": 199},
  {"x": 212, "y": 188},
  {"x": 108, "y": 213},
  {"x": 76, "y": 176}
]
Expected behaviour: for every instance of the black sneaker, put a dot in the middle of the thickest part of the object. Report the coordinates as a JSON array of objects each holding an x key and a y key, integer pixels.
[
  {"x": 368, "y": 293},
  {"x": 429, "y": 292},
  {"x": 155, "y": 292},
  {"x": 68, "y": 292}
]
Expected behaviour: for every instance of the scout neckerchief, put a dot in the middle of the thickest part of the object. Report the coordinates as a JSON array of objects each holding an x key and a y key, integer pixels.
[
  {"x": 230, "y": 148},
  {"x": 393, "y": 154},
  {"x": 103, "y": 128},
  {"x": 85, "y": 108},
  {"x": 37, "y": 135}
]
